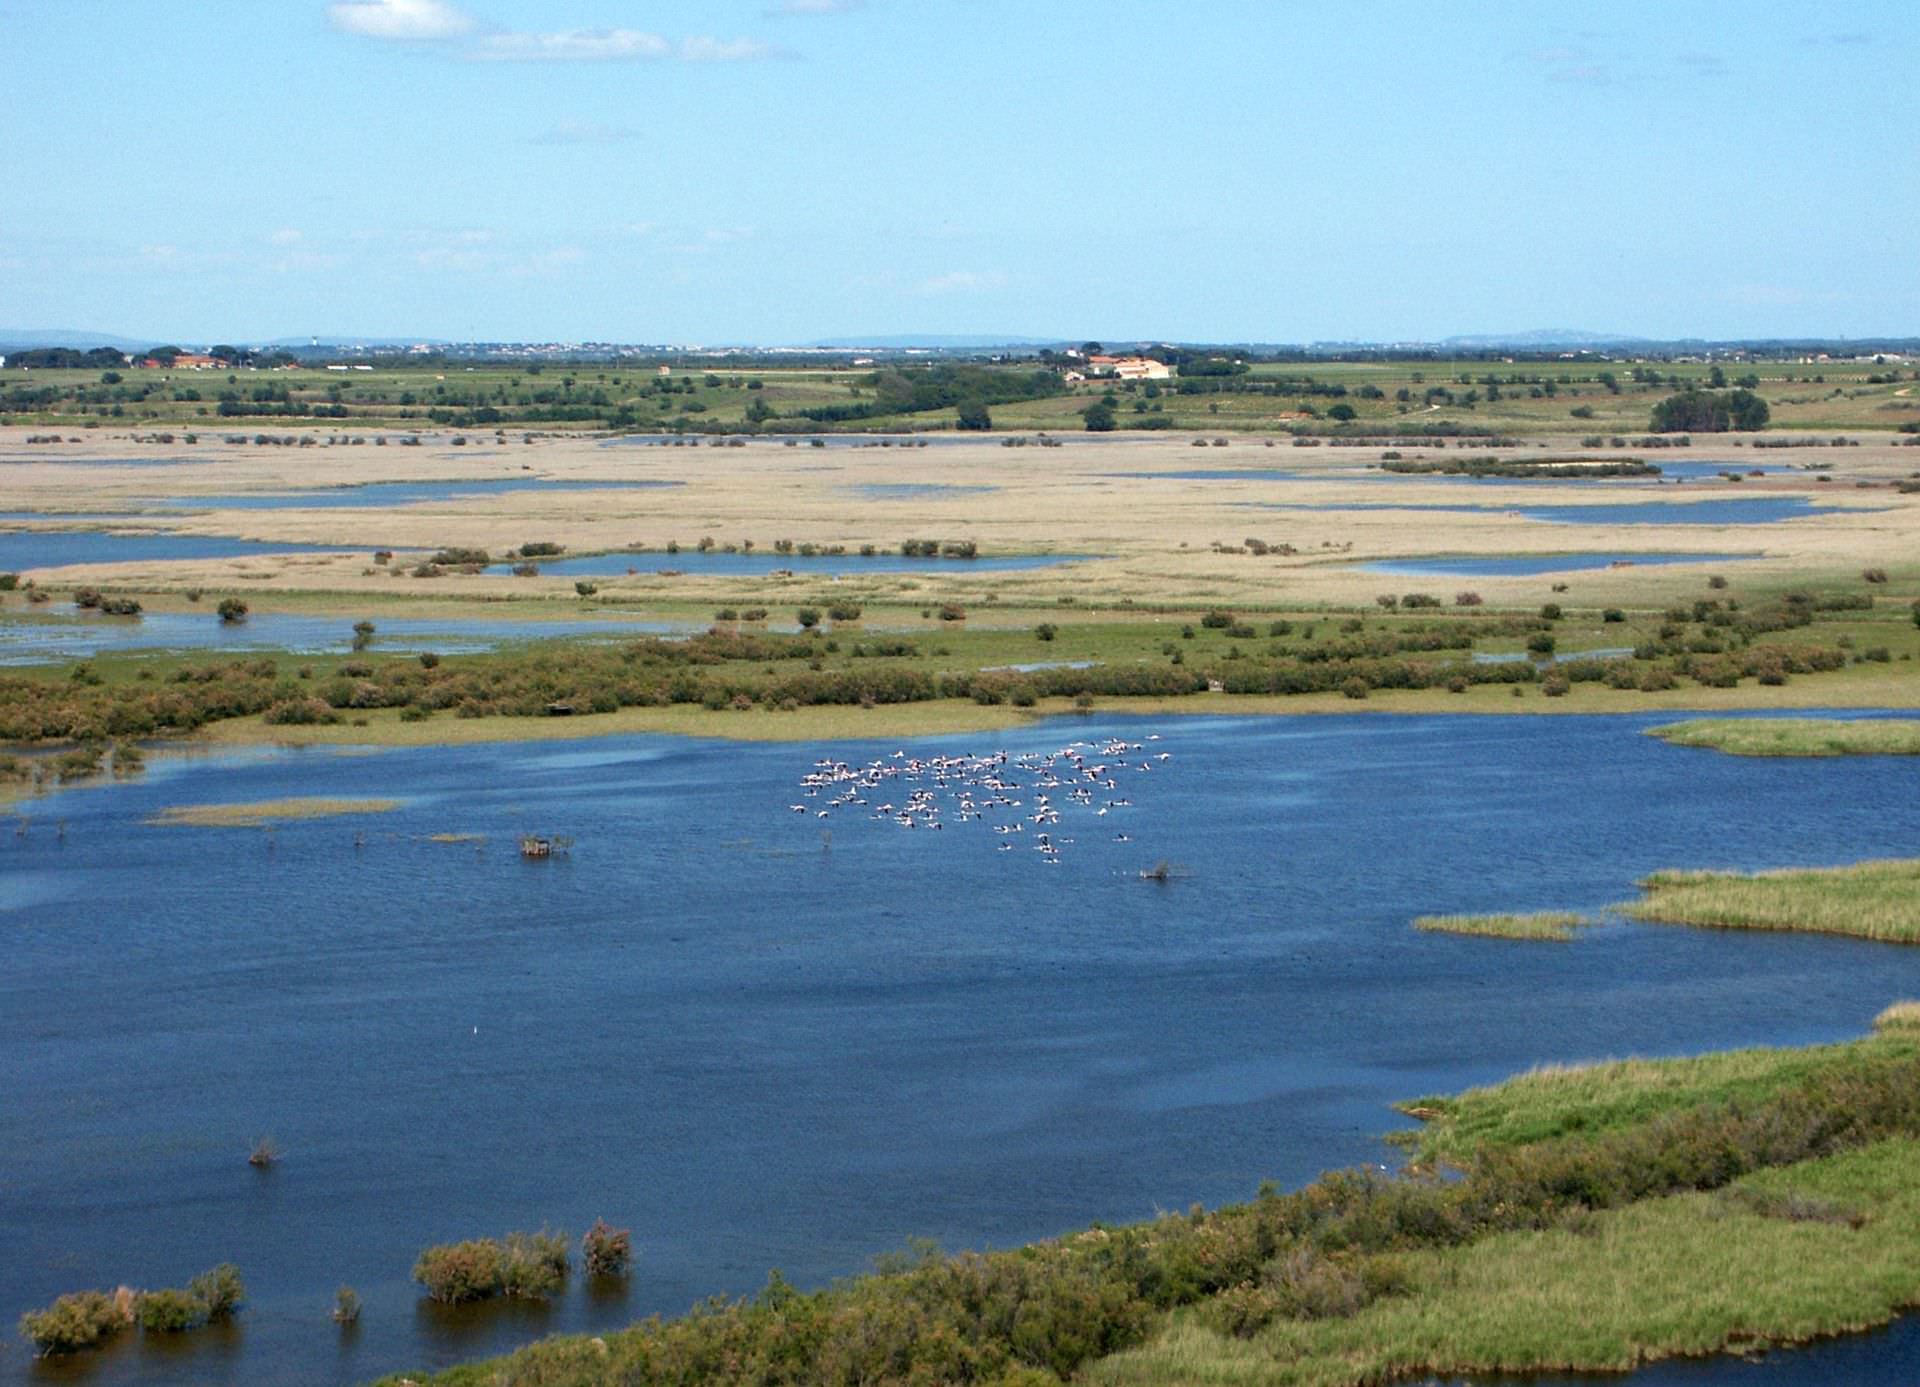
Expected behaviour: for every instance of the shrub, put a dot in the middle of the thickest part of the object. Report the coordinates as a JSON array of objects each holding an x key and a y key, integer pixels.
[
  {"x": 429, "y": 659},
  {"x": 299, "y": 712},
  {"x": 586, "y": 589},
  {"x": 1466, "y": 599},
  {"x": 526, "y": 570},
  {"x": 232, "y": 609},
  {"x": 1555, "y": 685},
  {"x": 1046, "y": 631},
  {"x": 346, "y": 1306},
  {"x": 219, "y": 1289},
  {"x": 1716, "y": 581},
  {"x": 605, "y": 1250},
  {"x": 1550, "y": 611},
  {"x": 9, "y": 581},
  {"x": 458, "y": 1272},
  {"x": 952, "y": 611},
  {"x": 1874, "y": 575},
  {"x": 1612, "y": 615},
  {"x": 809, "y": 617},
  {"x": 78, "y": 1321},
  {"x": 1217, "y": 620},
  {"x": 1354, "y": 687},
  {"x": 1540, "y": 644},
  {"x": 843, "y": 611},
  {"x": 533, "y": 1265},
  {"x": 169, "y": 1312}
]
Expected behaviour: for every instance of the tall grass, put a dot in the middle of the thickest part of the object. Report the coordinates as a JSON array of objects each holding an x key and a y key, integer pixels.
[
  {"x": 1869, "y": 900},
  {"x": 1558, "y": 925},
  {"x": 1797, "y": 736}
]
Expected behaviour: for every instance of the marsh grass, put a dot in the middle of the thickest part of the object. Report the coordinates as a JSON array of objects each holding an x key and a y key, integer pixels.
[
  {"x": 1559, "y": 1100},
  {"x": 1796, "y": 736},
  {"x": 1555, "y": 925},
  {"x": 255, "y": 813},
  {"x": 1868, "y": 900},
  {"x": 1688, "y": 1274},
  {"x": 1902, "y": 1016}
]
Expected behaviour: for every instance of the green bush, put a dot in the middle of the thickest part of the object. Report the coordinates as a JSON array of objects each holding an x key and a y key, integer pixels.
[
  {"x": 808, "y": 617},
  {"x": 533, "y": 1266},
  {"x": 605, "y": 1250},
  {"x": 1046, "y": 631},
  {"x": 78, "y": 1321},
  {"x": 346, "y": 1306},
  {"x": 232, "y": 609},
  {"x": 219, "y": 1289},
  {"x": 457, "y": 1272},
  {"x": 170, "y": 1311}
]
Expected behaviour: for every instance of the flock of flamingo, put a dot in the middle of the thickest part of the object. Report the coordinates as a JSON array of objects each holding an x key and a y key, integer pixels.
[{"x": 1021, "y": 797}]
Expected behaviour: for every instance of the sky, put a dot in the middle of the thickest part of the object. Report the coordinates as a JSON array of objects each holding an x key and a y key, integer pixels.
[{"x": 781, "y": 171}]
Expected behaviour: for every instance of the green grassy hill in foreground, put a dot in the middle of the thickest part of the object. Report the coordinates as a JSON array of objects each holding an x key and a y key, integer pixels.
[{"x": 1601, "y": 1217}]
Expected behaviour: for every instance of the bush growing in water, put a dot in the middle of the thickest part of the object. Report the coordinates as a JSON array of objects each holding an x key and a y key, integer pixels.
[
  {"x": 232, "y": 609},
  {"x": 78, "y": 1321},
  {"x": 169, "y": 1311},
  {"x": 346, "y": 1306},
  {"x": 605, "y": 1250},
  {"x": 529, "y": 1266}
]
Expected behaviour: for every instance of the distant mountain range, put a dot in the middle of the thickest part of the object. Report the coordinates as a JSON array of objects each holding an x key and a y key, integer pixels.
[{"x": 1532, "y": 340}]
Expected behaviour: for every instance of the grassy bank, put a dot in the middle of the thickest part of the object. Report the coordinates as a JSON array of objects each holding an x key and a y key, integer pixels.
[
  {"x": 1767, "y": 1201},
  {"x": 1796, "y": 736},
  {"x": 1557, "y": 925},
  {"x": 255, "y": 813},
  {"x": 1868, "y": 900}
]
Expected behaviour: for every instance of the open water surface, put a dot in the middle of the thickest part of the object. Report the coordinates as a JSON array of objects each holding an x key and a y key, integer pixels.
[
  {"x": 75, "y": 635},
  {"x": 24, "y": 549},
  {"x": 384, "y": 494},
  {"x": 1741, "y": 510},
  {"x": 1514, "y": 565},
  {"x": 766, "y": 1039},
  {"x": 762, "y": 561}
]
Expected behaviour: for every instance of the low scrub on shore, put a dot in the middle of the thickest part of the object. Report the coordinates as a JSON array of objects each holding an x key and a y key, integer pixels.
[
  {"x": 1797, "y": 736},
  {"x": 1548, "y": 924},
  {"x": 1355, "y": 1248},
  {"x": 1868, "y": 900}
]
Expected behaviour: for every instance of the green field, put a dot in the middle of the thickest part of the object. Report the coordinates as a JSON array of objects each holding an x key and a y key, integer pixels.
[{"x": 1489, "y": 395}]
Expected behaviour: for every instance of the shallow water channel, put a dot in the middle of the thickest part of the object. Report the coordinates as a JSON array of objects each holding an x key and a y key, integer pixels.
[{"x": 766, "y": 1039}]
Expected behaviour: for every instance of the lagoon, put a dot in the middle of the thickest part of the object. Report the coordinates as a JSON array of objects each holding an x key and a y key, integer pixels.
[
  {"x": 763, "y": 561},
  {"x": 25, "y": 549},
  {"x": 1520, "y": 565},
  {"x": 764, "y": 1040}
]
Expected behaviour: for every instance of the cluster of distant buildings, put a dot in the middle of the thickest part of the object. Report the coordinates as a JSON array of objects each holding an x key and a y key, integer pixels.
[{"x": 1119, "y": 368}]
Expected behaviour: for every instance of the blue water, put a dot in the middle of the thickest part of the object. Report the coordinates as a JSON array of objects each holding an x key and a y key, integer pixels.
[
  {"x": 1512, "y": 565},
  {"x": 37, "y": 640},
  {"x": 391, "y": 493},
  {"x": 1669, "y": 471},
  {"x": 766, "y": 561},
  {"x": 24, "y": 549},
  {"x": 762, "y": 1046},
  {"x": 1744, "y": 510}
]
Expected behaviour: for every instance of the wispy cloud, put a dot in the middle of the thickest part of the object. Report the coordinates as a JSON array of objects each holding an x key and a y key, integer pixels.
[
  {"x": 586, "y": 133},
  {"x": 963, "y": 282},
  {"x": 1570, "y": 65},
  {"x": 1702, "y": 64},
  {"x": 399, "y": 19},
  {"x": 573, "y": 46}
]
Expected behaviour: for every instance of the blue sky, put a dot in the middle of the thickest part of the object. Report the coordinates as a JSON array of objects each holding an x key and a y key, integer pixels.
[{"x": 783, "y": 170}]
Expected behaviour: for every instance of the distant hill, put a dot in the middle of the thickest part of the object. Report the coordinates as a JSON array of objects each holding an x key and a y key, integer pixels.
[
  {"x": 1539, "y": 339},
  {"x": 933, "y": 341},
  {"x": 20, "y": 338}
]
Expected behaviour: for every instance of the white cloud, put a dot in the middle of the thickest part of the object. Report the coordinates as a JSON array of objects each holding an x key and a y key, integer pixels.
[
  {"x": 399, "y": 19},
  {"x": 963, "y": 282},
  {"x": 574, "y": 46},
  {"x": 285, "y": 236}
]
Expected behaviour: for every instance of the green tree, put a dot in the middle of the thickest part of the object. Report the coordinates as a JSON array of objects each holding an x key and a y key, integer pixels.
[
  {"x": 1099, "y": 416},
  {"x": 975, "y": 417}
]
